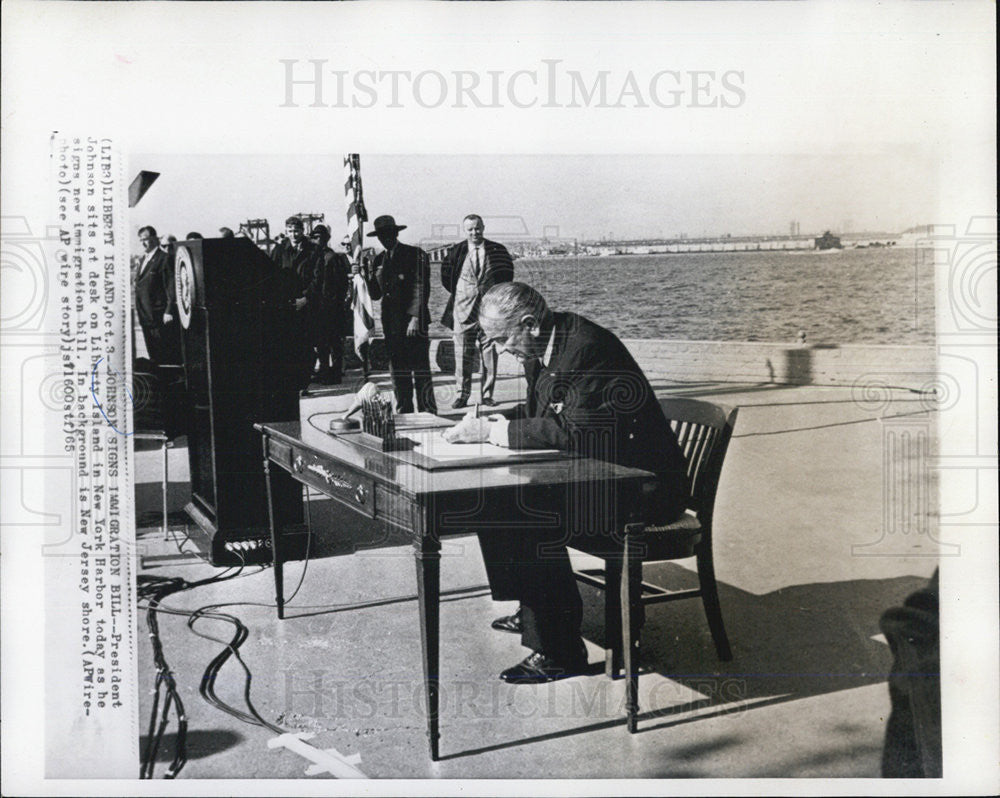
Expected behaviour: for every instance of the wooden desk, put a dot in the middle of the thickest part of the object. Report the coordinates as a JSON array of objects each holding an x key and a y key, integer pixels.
[{"x": 578, "y": 494}]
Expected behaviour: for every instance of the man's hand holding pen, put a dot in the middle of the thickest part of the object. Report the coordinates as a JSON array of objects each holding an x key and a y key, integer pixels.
[{"x": 471, "y": 429}]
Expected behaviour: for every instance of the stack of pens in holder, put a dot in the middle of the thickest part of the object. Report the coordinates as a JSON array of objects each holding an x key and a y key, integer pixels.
[{"x": 377, "y": 418}]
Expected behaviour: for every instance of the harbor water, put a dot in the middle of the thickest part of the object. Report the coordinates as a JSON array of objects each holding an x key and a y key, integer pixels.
[{"x": 878, "y": 295}]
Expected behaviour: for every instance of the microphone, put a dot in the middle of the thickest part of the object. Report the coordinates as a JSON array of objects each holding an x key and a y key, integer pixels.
[{"x": 368, "y": 392}]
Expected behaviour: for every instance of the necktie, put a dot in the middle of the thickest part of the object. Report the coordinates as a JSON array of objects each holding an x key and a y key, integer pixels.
[{"x": 475, "y": 260}]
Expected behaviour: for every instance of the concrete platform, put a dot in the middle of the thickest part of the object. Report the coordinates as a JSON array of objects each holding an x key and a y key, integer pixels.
[{"x": 818, "y": 531}]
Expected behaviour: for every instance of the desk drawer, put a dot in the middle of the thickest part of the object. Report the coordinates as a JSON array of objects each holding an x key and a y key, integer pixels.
[
  {"x": 279, "y": 452},
  {"x": 334, "y": 480}
]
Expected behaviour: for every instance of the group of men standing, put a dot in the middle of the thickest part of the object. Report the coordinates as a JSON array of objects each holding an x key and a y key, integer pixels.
[
  {"x": 400, "y": 277},
  {"x": 319, "y": 285},
  {"x": 318, "y": 279}
]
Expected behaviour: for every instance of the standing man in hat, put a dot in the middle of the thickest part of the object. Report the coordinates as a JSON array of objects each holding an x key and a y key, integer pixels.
[
  {"x": 471, "y": 269},
  {"x": 401, "y": 280},
  {"x": 327, "y": 316}
]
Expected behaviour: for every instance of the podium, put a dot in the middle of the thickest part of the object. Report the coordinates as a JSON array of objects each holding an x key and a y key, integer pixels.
[{"x": 243, "y": 363}]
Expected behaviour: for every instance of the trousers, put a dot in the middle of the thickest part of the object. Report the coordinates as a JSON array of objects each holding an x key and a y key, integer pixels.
[
  {"x": 410, "y": 367},
  {"x": 466, "y": 344},
  {"x": 533, "y": 567}
]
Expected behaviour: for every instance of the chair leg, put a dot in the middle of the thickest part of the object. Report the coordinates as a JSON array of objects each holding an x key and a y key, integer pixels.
[
  {"x": 631, "y": 595},
  {"x": 710, "y": 599},
  {"x": 612, "y": 616}
]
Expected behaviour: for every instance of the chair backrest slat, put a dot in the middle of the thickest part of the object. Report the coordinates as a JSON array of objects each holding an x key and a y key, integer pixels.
[
  {"x": 699, "y": 458},
  {"x": 703, "y": 432}
]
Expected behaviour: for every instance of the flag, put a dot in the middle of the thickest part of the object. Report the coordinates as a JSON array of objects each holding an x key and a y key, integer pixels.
[
  {"x": 361, "y": 302},
  {"x": 364, "y": 316}
]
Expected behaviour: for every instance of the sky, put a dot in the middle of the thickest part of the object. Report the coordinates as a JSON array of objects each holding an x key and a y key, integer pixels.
[{"x": 581, "y": 196}]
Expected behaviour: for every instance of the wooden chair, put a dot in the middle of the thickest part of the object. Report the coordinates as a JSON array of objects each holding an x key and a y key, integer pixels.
[{"x": 703, "y": 430}]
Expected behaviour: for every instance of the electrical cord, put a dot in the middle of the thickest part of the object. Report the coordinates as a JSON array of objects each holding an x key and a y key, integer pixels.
[
  {"x": 207, "y": 689},
  {"x": 154, "y": 589},
  {"x": 345, "y": 607},
  {"x": 231, "y": 649},
  {"x": 305, "y": 564},
  {"x": 164, "y": 678}
]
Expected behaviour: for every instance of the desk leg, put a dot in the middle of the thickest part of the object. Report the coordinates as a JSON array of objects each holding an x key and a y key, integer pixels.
[
  {"x": 428, "y": 560},
  {"x": 279, "y": 577},
  {"x": 612, "y": 615},
  {"x": 631, "y": 595}
]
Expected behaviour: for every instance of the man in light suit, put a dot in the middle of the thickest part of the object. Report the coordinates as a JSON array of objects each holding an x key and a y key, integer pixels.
[
  {"x": 155, "y": 300},
  {"x": 401, "y": 279},
  {"x": 585, "y": 394},
  {"x": 471, "y": 269}
]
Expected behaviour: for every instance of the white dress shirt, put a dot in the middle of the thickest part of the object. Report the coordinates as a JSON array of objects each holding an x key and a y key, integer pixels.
[{"x": 146, "y": 260}]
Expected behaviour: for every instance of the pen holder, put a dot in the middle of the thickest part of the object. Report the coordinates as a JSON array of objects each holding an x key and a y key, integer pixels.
[{"x": 378, "y": 426}]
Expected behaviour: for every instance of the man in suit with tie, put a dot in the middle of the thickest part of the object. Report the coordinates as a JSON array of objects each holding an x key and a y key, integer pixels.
[
  {"x": 585, "y": 394},
  {"x": 471, "y": 269},
  {"x": 155, "y": 300},
  {"x": 401, "y": 279},
  {"x": 295, "y": 256}
]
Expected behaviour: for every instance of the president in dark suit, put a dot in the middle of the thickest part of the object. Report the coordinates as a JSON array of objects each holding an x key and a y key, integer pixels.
[
  {"x": 155, "y": 300},
  {"x": 401, "y": 279},
  {"x": 585, "y": 394},
  {"x": 472, "y": 268}
]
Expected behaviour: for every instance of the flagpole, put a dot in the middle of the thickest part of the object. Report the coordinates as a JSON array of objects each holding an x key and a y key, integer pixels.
[{"x": 354, "y": 198}]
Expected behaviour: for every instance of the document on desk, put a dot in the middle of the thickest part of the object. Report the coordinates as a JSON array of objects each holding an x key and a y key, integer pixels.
[{"x": 432, "y": 451}]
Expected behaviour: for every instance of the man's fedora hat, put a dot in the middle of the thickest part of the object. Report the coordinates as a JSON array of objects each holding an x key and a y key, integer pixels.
[{"x": 385, "y": 223}]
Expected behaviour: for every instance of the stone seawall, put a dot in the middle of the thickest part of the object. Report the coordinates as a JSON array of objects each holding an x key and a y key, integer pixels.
[
  {"x": 726, "y": 361},
  {"x": 785, "y": 364},
  {"x": 731, "y": 361}
]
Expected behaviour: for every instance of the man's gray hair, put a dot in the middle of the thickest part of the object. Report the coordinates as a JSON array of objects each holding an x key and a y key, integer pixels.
[
  {"x": 505, "y": 304},
  {"x": 475, "y": 216}
]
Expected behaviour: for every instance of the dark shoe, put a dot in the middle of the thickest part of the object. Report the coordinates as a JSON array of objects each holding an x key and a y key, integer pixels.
[
  {"x": 508, "y": 623},
  {"x": 459, "y": 403},
  {"x": 537, "y": 668},
  {"x": 488, "y": 401}
]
